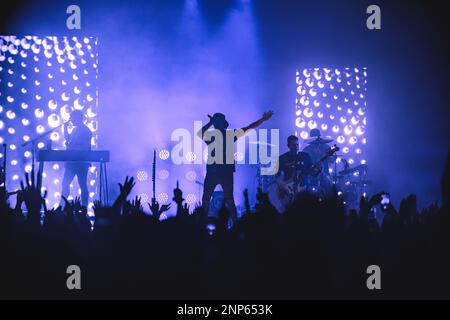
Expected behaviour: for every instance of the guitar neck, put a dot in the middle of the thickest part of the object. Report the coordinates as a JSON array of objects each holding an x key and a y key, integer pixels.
[{"x": 319, "y": 163}]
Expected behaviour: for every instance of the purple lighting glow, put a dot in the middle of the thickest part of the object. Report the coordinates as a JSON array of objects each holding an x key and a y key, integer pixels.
[
  {"x": 334, "y": 101},
  {"x": 42, "y": 80}
]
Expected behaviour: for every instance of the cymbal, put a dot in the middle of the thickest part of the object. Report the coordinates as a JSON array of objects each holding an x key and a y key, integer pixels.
[
  {"x": 361, "y": 167},
  {"x": 262, "y": 143},
  {"x": 319, "y": 140}
]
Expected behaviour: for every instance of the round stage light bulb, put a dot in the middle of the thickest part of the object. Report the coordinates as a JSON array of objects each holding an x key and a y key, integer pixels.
[
  {"x": 300, "y": 122},
  {"x": 54, "y": 120},
  {"x": 304, "y": 101},
  {"x": 65, "y": 112},
  {"x": 54, "y": 136},
  {"x": 39, "y": 113},
  {"x": 360, "y": 130},
  {"x": 304, "y": 135},
  {"x": 142, "y": 175},
  {"x": 308, "y": 112},
  {"x": 40, "y": 129},
  {"x": 312, "y": 124},
  {"x": 163, "y": 174},
  {"x": 90, "y": 113},
  {"x": 191, "y": 198},
  {"x": 306, "y": 73},
  {"x": 191, "y": 175},
  {"x": 52, "y": 104},
  {"x": 162, "y": 198},
  {"x": 190, "y": 156},
  {"x": 144, "y": 197},
  {"x": 64, "y": 96},
  {"x": 348, "y": 129},
  {"x": 164, "y": 154}
]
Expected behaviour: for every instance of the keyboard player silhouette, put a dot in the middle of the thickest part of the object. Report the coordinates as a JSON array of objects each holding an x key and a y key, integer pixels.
[{"x": 78, "y": 139}]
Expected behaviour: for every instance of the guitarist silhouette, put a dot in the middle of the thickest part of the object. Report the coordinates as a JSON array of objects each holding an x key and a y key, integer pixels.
[
  {"x": 299, "y": 171},
  {"x": 292, "y": 177}
]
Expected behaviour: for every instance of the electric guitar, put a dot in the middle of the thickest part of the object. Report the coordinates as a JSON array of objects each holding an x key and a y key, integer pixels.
[{"x": 287, "y": 190}]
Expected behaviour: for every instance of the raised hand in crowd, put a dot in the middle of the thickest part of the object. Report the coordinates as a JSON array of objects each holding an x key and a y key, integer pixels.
[
  {"x": 133, "y": 207},
  {"x": 32, "y": 197},
  {"x": 125, "y": 190},
  {"x": 156, "y": 209}
]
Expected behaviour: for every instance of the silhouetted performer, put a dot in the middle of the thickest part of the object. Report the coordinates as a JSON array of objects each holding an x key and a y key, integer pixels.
[
  {"x": 293, "y": 168},
  {"x": 317, "y": 148},
  {"x": 78, "y": 139},
  {"x": 219, "y": 171},
  {"x": 292, "y": 160}
]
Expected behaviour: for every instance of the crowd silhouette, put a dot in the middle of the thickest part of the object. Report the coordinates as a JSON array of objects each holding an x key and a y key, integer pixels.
[{"x": 312, "y": 250}]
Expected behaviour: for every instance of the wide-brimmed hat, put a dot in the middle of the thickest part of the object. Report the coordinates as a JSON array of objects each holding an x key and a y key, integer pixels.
[{"x": 219, "y": 118}]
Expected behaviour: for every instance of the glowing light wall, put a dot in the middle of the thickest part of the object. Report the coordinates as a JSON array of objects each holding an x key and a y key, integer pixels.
[
  {"x": 334, "y": 101},
  {"x": 42, "y": 79}
]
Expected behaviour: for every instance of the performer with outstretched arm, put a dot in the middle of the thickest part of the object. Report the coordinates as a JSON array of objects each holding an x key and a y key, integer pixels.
[{"x": 219, "y": 171}]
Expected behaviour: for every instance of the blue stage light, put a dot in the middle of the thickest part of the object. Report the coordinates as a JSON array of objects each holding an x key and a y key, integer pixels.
[
  {"x": 33, "y": 68},
  {"x": 142, "y": 175},
  {"x": 338, "y": 99}
]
